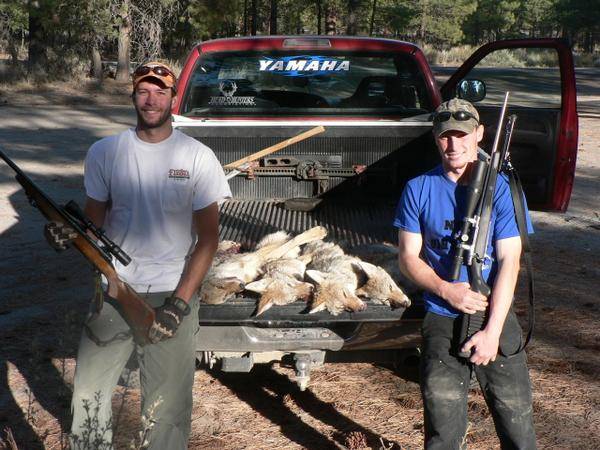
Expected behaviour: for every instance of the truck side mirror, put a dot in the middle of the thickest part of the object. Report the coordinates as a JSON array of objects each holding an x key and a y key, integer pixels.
[{"x": 471, "y": 90}]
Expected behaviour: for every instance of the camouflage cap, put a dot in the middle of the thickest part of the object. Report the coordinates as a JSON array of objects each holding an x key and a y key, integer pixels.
[
  {"x": 453, "y": 119},
  {"x": 156, "y": 70}
]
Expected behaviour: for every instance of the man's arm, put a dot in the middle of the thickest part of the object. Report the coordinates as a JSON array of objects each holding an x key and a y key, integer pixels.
[
  {"x": 486, "y": 341},
  {"x": 459, "y": 295},
  {"x": 206, "y": 225},
  {"x": 95, "y": 211}
]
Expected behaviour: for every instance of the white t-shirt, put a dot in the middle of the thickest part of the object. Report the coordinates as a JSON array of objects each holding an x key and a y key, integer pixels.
[{"x": 152, "y": 190}]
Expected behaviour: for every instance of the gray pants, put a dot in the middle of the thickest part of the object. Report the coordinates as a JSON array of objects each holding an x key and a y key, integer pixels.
[
  {"x": 445, "y": 384},
  {"x": 166, "y": 377}
]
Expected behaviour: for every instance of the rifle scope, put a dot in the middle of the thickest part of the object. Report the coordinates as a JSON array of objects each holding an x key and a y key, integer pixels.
[
  {"x": 462, "y": 243},
  {"x": 74, "y": 210}
]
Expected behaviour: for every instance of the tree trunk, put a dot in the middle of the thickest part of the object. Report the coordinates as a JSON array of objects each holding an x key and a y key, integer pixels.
[
  {"x": 319, "y": 14},
  {"x": 273, "y": 18},
  {"x": 372, "y": 18},
  {"x": 423, "y": 25},
  {"x": 299, "y": 24},
  {"x": 253, "y": 17},
  {"x": 96, "y": 63},
  {"x": 37, "y": 50},
  {"x": 352, "y": 28},
  {"x": 245, "y": 17},
  {"x": 124, "y": 43},
  {"x": 13, "y": 51},
  {"x": 587, "y": 42},
  {"x": 330, "y": 22}
]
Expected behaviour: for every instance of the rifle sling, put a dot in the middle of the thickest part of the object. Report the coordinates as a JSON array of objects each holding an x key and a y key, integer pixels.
[{"x": 516, "y": 190}]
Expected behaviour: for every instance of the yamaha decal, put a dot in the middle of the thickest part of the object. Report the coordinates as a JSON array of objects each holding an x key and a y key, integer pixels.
[{"x": 303, "y": 66}]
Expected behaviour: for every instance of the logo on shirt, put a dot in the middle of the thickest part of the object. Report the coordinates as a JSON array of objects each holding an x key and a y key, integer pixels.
[{"x": 179, "y": 174}]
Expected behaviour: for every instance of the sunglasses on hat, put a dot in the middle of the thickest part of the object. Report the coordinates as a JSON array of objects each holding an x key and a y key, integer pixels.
[
  {"x": 157, "y": 70},
  {"x": 461, "y": 116}
]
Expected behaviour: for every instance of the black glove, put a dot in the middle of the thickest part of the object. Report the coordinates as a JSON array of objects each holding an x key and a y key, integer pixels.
[
  {"x": 59, "y": 235},
  {"x": 168, "y": 318}
]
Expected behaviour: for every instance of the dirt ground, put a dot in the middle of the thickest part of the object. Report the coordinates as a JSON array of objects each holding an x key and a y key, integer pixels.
[{"x": 43, "y": 299}]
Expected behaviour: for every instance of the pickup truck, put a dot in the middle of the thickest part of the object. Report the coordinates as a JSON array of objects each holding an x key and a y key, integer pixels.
[{"x": 374, "y": 97}]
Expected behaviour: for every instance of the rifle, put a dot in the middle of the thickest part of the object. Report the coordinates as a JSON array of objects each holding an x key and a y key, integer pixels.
[
  {"x": 138, "y": 314},
  {"x": 471, "y": 245}
]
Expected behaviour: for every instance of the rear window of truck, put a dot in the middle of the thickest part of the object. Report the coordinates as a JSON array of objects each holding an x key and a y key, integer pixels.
[{"x": 305, "y": 83}]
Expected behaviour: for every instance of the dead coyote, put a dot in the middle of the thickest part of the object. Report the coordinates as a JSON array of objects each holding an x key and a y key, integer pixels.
[
  {"x": 386, "y": 256},
  {"x": 338, "y": 276},
  {"x": 282, "y": 283},
  {"x": 381, "y": 287},
  {"x": 229, "y": 277}
]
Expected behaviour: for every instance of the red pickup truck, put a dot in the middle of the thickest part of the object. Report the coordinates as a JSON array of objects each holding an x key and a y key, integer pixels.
[{"x": 374, "y": 97}]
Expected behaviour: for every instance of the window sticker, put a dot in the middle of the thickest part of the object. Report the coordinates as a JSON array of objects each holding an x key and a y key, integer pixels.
[
  {"x": 228, "y": 89},
  {"x": 303, "y": 66},
  {"x": 229, "y": 73}
]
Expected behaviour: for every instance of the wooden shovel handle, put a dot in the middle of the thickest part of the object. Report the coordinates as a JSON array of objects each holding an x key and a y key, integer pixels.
[{"x": 276, "y": 147}]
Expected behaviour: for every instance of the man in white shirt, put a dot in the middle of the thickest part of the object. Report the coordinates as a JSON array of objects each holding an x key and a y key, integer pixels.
[{"x": 155, "y": 191}]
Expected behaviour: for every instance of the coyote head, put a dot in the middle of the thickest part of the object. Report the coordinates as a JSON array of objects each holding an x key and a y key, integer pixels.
[
  {"x": 333, "y": 295},
  {"x": 380, "y": 287},
  {"x": 215, "y": 291}
]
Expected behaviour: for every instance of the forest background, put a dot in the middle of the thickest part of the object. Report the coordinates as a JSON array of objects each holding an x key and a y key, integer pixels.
[{"x": 45, "y": 40}]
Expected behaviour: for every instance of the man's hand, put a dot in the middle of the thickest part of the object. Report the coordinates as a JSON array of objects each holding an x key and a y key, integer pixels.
[
  {"x": 484, "y": 346},
  {"x": 462, "y": 298},
  {"x": 168, "y": 318},
  {"x": 59, "y": 235}
]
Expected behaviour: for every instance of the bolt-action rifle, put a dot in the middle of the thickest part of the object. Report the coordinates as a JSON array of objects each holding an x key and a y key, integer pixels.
[
  {"x": 470, "y": 247},
  {"x": 138, "y": 314}
]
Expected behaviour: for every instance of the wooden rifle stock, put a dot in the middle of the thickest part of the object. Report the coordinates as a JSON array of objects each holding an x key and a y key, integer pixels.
[{"x": 138, "y": 314}]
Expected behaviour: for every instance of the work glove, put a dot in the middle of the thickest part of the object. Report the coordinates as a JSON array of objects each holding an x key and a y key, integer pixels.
[
  {"x": 59, "y": 235},
  {"x": 167, "y": 319}
]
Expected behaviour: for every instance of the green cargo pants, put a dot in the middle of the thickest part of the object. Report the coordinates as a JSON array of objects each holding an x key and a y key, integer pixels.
[{"x": 166, "y": 378}]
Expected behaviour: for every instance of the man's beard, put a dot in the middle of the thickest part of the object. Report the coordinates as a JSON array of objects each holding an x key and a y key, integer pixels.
[{"x": 160, "y": 121}]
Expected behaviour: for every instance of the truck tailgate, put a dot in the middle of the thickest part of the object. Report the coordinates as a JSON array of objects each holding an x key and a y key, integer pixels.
[{"x": 241, "y": 311}]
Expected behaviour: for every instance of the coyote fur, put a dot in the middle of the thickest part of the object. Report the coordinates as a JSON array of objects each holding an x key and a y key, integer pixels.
[
  {"x": 386, "y": 256},
  {"x": 282, "y": 283},
  {"x": 231, "y": 275},
  {"x": 336, "y": 276},
  {"x": 341, "y": 279},
  {"x": 381, "y": 287}
]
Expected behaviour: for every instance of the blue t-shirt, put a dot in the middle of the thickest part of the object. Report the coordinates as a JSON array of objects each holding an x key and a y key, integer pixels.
[{"x": 432, "y": 205}]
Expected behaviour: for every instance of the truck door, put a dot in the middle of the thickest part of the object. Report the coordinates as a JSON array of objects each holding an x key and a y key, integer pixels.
[{"x": 540, "y": 76}]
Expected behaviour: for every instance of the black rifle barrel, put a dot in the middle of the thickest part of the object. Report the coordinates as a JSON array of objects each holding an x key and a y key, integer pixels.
[
  {"x": 479, "y": 234},
  {"x": 464, "y": 239}
]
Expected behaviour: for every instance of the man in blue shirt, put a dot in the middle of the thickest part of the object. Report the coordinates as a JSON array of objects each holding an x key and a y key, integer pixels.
[{"x": 428, "y": 215}]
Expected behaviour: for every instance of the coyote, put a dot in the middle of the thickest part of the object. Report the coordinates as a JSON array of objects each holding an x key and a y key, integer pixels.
[
  {"x": 228, "y": 278},
  {"x": 336, "y": 276},
  {"x": 282, "y": 283},
  {"x": 380, "y": 287},
  {"x": 386, "y": 256}
]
